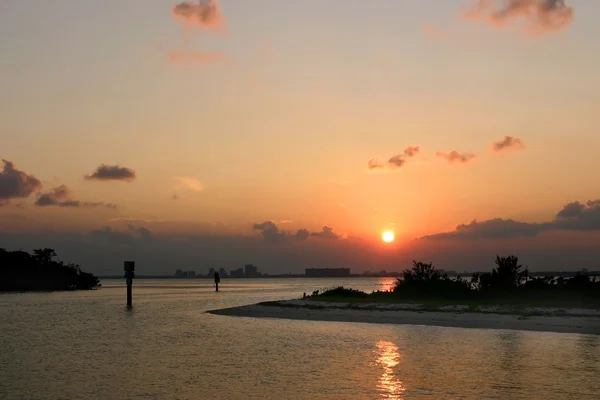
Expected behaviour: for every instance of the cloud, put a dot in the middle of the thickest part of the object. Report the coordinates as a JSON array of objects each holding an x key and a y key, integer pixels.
[
  {"x": 374, "y": 164},
  {"x": 326, "y": 233},
  {"x": 396, "y": 161},
  {"x": 143, "y": 233},
  {"x": 15, "y": 183},
  {"x": 61, "y": 197},
  {"x": 197, "y": 57},
  {"x": 540, "y": 16},
  {"x": 131, "y": 236},
  {"x": 271, "y": 232},
  {"x": 159, "y": 250},
  {"x": 508, "y": 142},
  {"x": 578, "y": 216},
  {"x": 189, "y": 183},
  {"x": 455, "y": 156},
  {"x": 112, "y": 173},
  {"x": 205, "y": 14},
  {"x": 492, "y": 228},
  {"x": 575, "y": 209},
  {"x": 99, "y": 204},
  {"x": 54, "y": 197},
  {"x": 129, "y": 220},
  {"x": 573, "y": 216},
  {"x": 302, "y": 234},
  {"x": 411, "y": 151}
]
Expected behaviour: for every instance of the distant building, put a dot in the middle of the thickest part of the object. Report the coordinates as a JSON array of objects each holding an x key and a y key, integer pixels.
[
  {"x": 184, "y": 274},
  {"x": 327, "y": 272},
  {"x": 237, "y": 273},
  {"x": 251, "y": 271}
]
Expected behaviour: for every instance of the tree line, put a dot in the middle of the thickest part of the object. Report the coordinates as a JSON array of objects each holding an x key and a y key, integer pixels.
[
  {"x": 509, "y": 277},
  {"x": 41, "y": 270},
  {"x": 509, "y": 281}
]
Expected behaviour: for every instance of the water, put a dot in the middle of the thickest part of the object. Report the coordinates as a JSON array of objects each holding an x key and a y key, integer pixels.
[{"x": 86, "y": 345}]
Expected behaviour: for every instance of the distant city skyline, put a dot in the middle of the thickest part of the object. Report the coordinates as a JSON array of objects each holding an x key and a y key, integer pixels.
[{"x": 292, "y": 135}]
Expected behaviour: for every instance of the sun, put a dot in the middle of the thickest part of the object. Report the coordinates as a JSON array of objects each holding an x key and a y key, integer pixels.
[{"x": 388, "y": 236}]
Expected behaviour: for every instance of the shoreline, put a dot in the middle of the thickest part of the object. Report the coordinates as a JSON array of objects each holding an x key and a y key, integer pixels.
[{"x": 540, "y": 320}]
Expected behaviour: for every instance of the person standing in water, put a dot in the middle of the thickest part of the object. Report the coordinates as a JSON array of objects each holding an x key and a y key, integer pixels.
[{"x": 217, "y": 280}]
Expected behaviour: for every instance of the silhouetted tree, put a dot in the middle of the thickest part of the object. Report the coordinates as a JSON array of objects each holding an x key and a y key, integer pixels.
[
  {"x": 421, "y": 272},
  {"x": 21, "y": 271},
  {"x": 509, "y": 278},
  {"x": 508, "y": 274},
  {"x": 425, "y": 279},
  {"x": 581, "y": 281},
  {"x": 44, "y": 256}
]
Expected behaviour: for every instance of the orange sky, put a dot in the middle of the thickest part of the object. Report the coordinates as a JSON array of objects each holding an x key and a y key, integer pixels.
[{"x": 212, "y": 118}]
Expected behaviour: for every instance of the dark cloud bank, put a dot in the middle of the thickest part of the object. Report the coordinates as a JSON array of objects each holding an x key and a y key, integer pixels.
[
  {"x": 571, "y": 240},
  {"x": 272, "y": 233},
  {"x": 574, "y": 216}
]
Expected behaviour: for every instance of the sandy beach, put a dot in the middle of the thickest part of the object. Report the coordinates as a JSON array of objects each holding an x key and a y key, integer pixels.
[{"x": 534, "y": 319}]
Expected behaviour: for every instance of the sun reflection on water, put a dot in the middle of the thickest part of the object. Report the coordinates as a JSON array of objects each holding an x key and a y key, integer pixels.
[
  {"x": 389, "y": 385},
  {"x": 386, "y": 284}
]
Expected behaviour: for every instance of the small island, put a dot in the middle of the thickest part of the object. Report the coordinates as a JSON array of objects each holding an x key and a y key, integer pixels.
[
  {"x": 505, "y": 298},
  {"x": 41, "y": 271}
]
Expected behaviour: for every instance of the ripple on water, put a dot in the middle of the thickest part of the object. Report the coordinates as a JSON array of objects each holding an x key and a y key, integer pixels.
[{"x": 85, "y": 345}]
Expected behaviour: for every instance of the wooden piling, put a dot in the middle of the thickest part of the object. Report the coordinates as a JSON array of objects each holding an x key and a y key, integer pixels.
[{"x": 129, "y": 274}]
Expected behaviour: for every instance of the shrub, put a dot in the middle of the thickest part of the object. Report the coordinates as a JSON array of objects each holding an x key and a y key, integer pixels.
[
  {"x": 425, "y": 279},
  {"x": 343, "y": 292},
  {"x": 21, "y": 271}
]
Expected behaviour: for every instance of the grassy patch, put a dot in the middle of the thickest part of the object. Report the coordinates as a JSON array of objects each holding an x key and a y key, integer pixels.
[{"x": 515, "y": 301}]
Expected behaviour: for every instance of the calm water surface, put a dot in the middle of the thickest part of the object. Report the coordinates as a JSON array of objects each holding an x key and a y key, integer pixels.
[{"x": 86, "y": 345}]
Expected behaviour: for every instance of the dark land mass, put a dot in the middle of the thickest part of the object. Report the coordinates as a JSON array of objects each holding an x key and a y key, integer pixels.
[
  {"x": 41, "y": 271},
  {"x": 505, "y": 298},
  {"x": 509, "y": 284}
]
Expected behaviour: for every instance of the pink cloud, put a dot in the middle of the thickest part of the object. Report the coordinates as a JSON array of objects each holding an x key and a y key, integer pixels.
[
  {"x": 508, "y": 142},
  {"x": 539, "y": 16},
  {"x": 205, "y": 14},
  {"x": 456, "y": 157},
  {"x": 395, "y": 161}
]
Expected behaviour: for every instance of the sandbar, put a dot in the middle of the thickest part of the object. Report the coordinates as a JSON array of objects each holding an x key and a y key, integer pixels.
[{"x": 533, "y": 319}]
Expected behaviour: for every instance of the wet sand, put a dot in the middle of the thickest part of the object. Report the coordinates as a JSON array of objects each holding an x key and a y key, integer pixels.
[{"x": 546, "y": 320}]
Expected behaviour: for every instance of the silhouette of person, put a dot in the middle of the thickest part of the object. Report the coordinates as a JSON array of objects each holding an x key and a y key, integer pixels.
[{"x": 217, "y": 280}]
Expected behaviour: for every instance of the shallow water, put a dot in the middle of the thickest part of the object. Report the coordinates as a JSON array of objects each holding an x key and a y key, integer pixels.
[{"x": 86, "y": 345}]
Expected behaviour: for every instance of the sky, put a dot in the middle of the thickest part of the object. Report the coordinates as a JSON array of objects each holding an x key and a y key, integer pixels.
[{"x": 292, "y": 134}]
